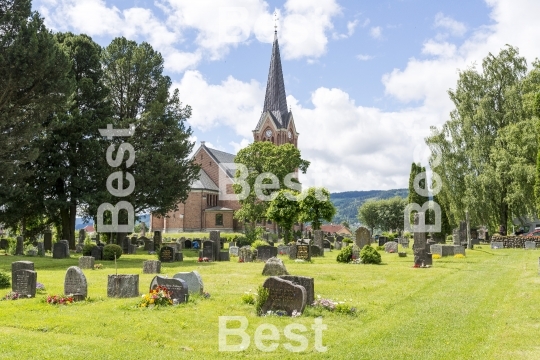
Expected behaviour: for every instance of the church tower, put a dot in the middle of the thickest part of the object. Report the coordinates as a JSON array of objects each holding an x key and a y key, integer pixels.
[{"x": 276, "y": 123}]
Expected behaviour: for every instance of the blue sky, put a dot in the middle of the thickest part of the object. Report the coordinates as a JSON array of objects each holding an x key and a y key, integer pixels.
[{"x": 365, "y": 80}]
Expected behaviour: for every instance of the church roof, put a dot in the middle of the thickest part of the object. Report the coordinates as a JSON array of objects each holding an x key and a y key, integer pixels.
[
  {"x": 204, "y": 182},
  {"x": 275, "y": 100}
]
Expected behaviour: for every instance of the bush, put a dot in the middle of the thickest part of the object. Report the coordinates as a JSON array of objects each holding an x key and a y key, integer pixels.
[
  {"x": 370, "y": 256},
  {"x": 345, "y": 255},
  {"x": 347, "y": 240},
  {"x": 258, "y": 243},
  {"x": 87, "y": 249},
  {"x": 391, "y": 236},
  {"x": 110, "y": 250},
  {"x": 449, "y": 238},
  {"x": 4, "y": 280},
  {"x": 242, "y": 241},
  {"x": 262, "y": 296}
]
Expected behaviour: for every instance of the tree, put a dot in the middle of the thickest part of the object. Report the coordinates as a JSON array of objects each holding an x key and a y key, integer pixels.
[
  {"x": 33, "y": 85},
  {"x": 414, "y": 197},
  {"x": 277, "y": 162},
  {"x": 484, "y": 154},
  {"x": 140, "y": 95},
  {"x": 285, "y": 210},
  {"x": 315, "y": 206},
  {"x": 390, "y": 213},
  {"x": 368, "y": 214}
]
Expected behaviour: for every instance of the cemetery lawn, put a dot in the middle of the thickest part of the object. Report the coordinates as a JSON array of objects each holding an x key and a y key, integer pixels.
[{"x": 485, "y": 306}]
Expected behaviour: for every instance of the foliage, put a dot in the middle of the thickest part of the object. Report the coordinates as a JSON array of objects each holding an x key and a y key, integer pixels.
[
  {"x": 390, "y": 235},
  {"x": 5, "y": 280},
  {"x": 390, "y": 213},
  {"x": 486, "y": 153},
  {"x": 59, "y": 299},
  {"x": 285, "y": 210},
  {"x": 315, "y": 206},
  {"x": 242, "y": 241},
  {"x": 249, "y": 298},
  {"x": 345, "y": 255},
  {"x": 435, "y": 256},
  {"x": 348, "y": 240},
  {"x": 87, "y": 249},
  {"x": 369, "y": 255},
  {"x": 159, "y": 296},
  {"x": 30, "y": 249},
  {"x": 110, "y": 250},
  {"x": 262, "y": 296},
  {"x": 264, "y": 157},
  {"x": 333, "y": 306},
  {"x": 368, "y": 214},
  {"x": 252, "y": 233},
  {"x": 258, "y": 243}
]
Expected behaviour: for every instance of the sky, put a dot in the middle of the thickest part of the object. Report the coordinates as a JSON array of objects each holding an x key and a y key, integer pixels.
[{"x": 365, "y": 80}]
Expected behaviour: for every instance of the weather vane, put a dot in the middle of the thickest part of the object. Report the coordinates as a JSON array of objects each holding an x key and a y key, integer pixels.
[{"x": 275, "y": 21}]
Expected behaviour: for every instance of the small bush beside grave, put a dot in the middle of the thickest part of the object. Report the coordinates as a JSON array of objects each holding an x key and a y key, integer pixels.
[
  {"x": 4, "y": 280},
  {"x": 110, "y": 250},
  {"x": 345, "y": 255},
  {"x": 369, "y": 255},
  {"x": 87, "y": 249}
]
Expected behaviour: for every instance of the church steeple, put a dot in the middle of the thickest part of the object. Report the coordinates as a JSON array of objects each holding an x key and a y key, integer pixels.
[{"x": 275, "y": 99}]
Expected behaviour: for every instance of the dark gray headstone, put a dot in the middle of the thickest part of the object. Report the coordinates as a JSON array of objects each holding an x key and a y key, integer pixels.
[
  {"x": 148, "y": 245},
  {"x": 283, "y": 250},
  {"x": 123, "y": 286},
  {"x": 193, "y": 280},
  {"x": 132, "y": 249},
  {"x": 24, "y": 282},
  {"x": 97, "y": 252},
  {"x": 318, "y": 239},
  {"x": 125, "y": 245},
  {"x": 187, "y": 244},
  {"x": 75, "y": 283},
  {"x": 178, "y": 256},
  {"x": 41, "y": 249},
  {"x": 166, "y": 254},
  {"x": 86, "y": 262},
  {"x": 216, "y": 240},
  {"x": 420, "y": 241},
  {"x": 151, "y": 267},
  {"x": 315, "y": 250},
  {"x": 60, "y": 249},
  {"x": 178, "y": 287},
  {"x": 266, "y": 252},
  {"x": 4, "y": 244},
  {"x": 208, "y": 250},
  {"x": 382, "y": 240},
  {"x": 442, "y": 250},
  {"x": 292, "y": 251},
  {"x": 284, "y": 295},
  {"x": 307, "y": 282},
  {"x": 497, "y": 245},
  {"x": 21, "y": 265},
  {"x": 224, "y": 256},
  {"x": 429, "y": 259},
  {"x": 19, "y": 249},
  {"x": 327, "y": 244},
  {"x": 47, "y": 240}
]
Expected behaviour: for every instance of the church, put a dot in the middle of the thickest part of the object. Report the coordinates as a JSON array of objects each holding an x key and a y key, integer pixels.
[{"x": 211, "y": 202}]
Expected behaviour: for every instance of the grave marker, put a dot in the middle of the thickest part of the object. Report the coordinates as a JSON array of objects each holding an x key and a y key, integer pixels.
[
  {"x": 151, "y": 267},
  {"x": 75, "y": 283},
  {"x": 123, "y": 286},
  {"x": 86, "y": 262},
  {"x": 307, "y": 282},
  {"x": 266, "y": 252},
  {"x": 193, "y": 280},
  {"x": 178, "y": 287},
  {"x": 363, "y": 237},
  {"x": 284, "y": 295},
  {"x": 166, "y": 254},
  {"x": 47, "y": 240},
  {"x": 24, "y": 282}
]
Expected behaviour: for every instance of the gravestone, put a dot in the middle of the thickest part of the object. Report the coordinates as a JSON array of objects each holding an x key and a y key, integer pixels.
[
  {"x": 123, "y": 286},
  {"x": 284, "y": 295},
  {"x": 442, "y": 250},
  {"x": 151, "y": 267},
  {"x": 283, "y": 250},
  {"x": 157, "y": 240},
  {"x": 21, "y": 265},
  {"x": 143, "y": 229},
  {"x": 326, "y": 245},
  {"x": 331, "y": 239},
  {"x": 363, "y": 237},
  {"x": 47, "y": 240},
  {"x": 382, "y": 240},
  {"x": 40, "y": 248},
  {"x": 404, "y": 242},
  {"x": 216, "y": 242},
  {"x": 356, "y": 252},
  {"x": 19, "y": 249},
  {"x": 391, "y": 247},
  {"x": 266, "y": 252},
  {"x": 274, "y": 267},
  {"x": 429, "y": 259},
  {"x": 4, "y": 244},
  {"x": 233, "y": 250},
  {"x": 459, "y": 249},
  {"x": 315, "y": 250},
  {"x": 530, "y": 245},
  {"x": 166, "y": 254},
  {"x": 307, "y": 282},
  {"x": 97, "y": 252},
  {"x": 75, "y": 283},
  {"x": 303, "y": 252},
  {"x": 208, "y": 250},
  {"x": 292, "y": 251},
  {"x": 419, "y": 246},
  {"x": 86, "y": 262},
  {"x": 61, "y": 249},
  {"x": 245, "y": 254},
  {"x": 318, "y": 240},
  {"x": 193, "y": 280},
  {"x": 497, "y": 245},
  {"x": 133, "y": 240},
  {"x": 338, "y": 245},
  {"x": 224, "y": 256},
  {"x": 125, "y": 245},
  {"x": 82, "y": 236},
  {"x": 178, "y": 287},
  {"x": 24, "y": 282},
  {"x": 178, "y": 256},
  {"x": 149, "y": 245},
  {"x": 187, "y": 244}
]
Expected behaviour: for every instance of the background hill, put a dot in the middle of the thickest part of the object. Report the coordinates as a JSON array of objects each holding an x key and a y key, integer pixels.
[
  {"x": 347, "y": 203},
  {"x": 79, "y": 223}
]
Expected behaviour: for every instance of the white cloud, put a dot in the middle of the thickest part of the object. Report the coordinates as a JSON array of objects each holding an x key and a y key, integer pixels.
[
  {"x": 456, "y": 28},
  {"x": 363, "y": 57},
  {"x": 442, "y": 49},
  {"x": 239, "y": 146},
  {"x": 351, "y": 26},
  {"x": 376, "y": 32}
]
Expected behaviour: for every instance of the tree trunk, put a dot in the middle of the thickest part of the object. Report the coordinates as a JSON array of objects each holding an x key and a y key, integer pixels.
[
  {"x": 64, "y": 214},
  {"x": 72, "y": 218}
]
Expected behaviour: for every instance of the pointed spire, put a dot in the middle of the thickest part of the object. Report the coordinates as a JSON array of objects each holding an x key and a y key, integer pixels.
[{"x": 275, "y": 100}]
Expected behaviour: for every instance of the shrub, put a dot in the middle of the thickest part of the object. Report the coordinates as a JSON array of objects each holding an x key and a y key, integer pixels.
[
  {"x": 249, "y": 298},
  {"x": 87, "y": 249},
  {"x": 345, "y": 255},
  {"x": 258, "y": 243},
  {"x": 370, "y": 256},
  {"x": 391, "y": 236},
  {"x": 242, "y": 241},
  {"x": 262, "y": 296},
  {"x": 380, "y": 248},
  {"x": 347, "y": 240},
  {"x": 4, "y": 280},
  {"x": 109, "y": 251}
]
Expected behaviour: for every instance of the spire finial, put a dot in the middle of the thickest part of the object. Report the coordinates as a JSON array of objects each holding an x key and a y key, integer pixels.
[{"x": 275, "y": 21}]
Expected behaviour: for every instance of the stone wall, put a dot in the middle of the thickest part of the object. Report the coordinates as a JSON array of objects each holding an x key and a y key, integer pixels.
[{"x": 516, "y": 241}]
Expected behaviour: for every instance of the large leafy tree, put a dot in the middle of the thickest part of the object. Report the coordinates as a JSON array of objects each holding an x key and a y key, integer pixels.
[
  {"x": 285, "y": 210},
  {"x": 265, "y": 158},
  {"x": 390, "y": 213},
  {"x": 34, "y": 84},
  {"x": 141, "y": 95},
  {"x": 316, "y": 207},
  {"x": 484, "y": 154},
  {"x": 368, "y": 214}
]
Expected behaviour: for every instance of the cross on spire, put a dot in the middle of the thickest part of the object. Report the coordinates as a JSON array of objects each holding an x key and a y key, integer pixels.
[{"x": 275, "y": 21}]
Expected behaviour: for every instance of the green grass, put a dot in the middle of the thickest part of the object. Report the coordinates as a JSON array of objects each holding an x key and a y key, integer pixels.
[{"x": 485, "y": 306}]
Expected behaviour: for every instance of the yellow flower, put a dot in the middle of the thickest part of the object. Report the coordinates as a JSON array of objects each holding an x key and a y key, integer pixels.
[{"x": 151, "y": 301}]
